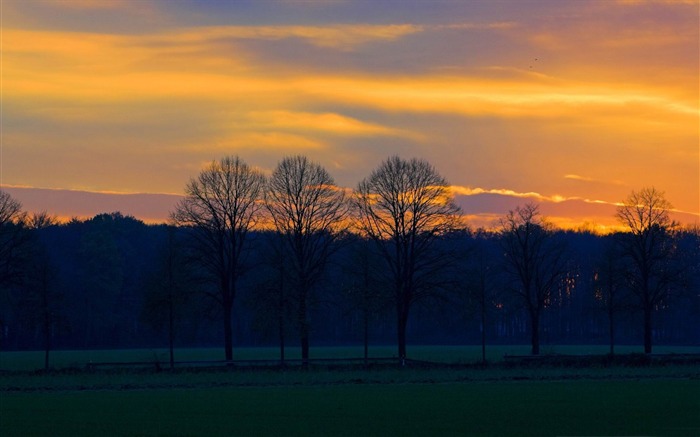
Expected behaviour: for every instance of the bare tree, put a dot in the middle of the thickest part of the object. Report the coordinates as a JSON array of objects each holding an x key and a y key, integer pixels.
[
  {"x": 221, "y": 206},
  {"x": 40, "y": 220},
  {"x": 169, "y": 287},
  {"x": 14, "y": 238},
  {"x": 270, "y": 301},
  {"x": 41, "y": 297},
  {"x": 405, "y": 206},
  {"x": 10, "y": 209},
  {"x": 649, "y": 246},
  {"x": 363, "y": 287},
  {"x": 535, "y": 259},
  {"x": 482, "y": 287},
  {"x": 308, "y": 211},
  {"x": 608, "y": 279}
]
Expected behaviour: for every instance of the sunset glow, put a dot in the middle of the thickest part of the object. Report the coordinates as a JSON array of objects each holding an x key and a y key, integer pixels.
[{"x": 571, "y": 104}]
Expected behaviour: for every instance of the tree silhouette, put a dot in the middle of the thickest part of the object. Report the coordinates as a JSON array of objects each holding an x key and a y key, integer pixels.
[
  {"x": 39, "y": 298},
  {"x": 271, "y": 302},
  {"x": 482, "y": 272},
  {"x": 308, "y": 211},
  {"x": 169, "y": 287},
  {"x": 362, "y": 286},
  {"x": 649, "y": 247},
  {"x": 220, "y": 207},
  {"x": 535, "y": 259},
  {"x": 14, "y": 239},
  {"x": 405, "y": 206},
  {"x": 608, "y": 278}
]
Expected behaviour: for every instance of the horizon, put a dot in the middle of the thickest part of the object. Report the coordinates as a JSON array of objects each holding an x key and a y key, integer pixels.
[
  {"x": 154, "y": 208},
  {"x": 114, "y": 105}
]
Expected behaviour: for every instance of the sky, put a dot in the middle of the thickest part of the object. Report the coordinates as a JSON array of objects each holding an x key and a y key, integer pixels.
[{"x": 115, "y": 104}]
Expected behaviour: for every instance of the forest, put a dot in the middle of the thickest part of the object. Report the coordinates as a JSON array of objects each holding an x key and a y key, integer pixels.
[{"x": 291, "y": 260}]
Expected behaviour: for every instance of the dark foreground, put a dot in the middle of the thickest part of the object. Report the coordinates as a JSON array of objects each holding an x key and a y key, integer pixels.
[{"x": 542, "y": 400}]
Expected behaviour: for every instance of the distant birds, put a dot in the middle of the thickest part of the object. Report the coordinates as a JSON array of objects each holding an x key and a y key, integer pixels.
[{"x": 535, "y": 61}]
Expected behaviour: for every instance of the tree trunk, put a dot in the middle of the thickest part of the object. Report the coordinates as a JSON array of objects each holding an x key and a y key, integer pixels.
[
  {"x": 280, "y": 312},
  {"x": 47, "y": 340},
  {"x": 303, "y": 330},
  {"x": 366, "y": 335},
  {"x": 228, "y": 330},
  {"x": 402, "y": 322},
  {"x": 47, "y": 325},
  {"x": 483, "y": 333},
  {"x": 171, "y": 296},
  {"x": 281, "y": 336},
  {"x": 611, "y": 319},
  {"x": 171, "y": 329},
  {"x": 305, "y": 350},
  {"x": 535, "y": 322},
  {"x": 647, "y": 329}
]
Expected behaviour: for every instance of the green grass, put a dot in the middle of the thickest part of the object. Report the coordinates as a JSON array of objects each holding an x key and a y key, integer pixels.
[
  {"x": 650, "y": 407},
  {"x": 449, "y": 354},
  {"x": 496, "y": 400},
  {"x": 225, "y": 378}
]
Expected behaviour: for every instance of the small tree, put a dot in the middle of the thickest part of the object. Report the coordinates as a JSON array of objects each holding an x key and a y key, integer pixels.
[
  {"x": 363, "y": 287},
  {"x": 649, "y": 247},
  {"x": 41, "y": 299},
  {"x": 534, "y": 257},
  {"x": 14, "y": 243},
  {"x": 405, "y": 206},
  {"x": 271, "y": 301},
  {"x": 308, "y": 211},
  {"x": 608, "y": 281},
  {"x": 14, "y": 239},
  {"x": 220, "y": 207},
  {"x": 482, "y": 274},
  {"x": 169, "y": 287}
]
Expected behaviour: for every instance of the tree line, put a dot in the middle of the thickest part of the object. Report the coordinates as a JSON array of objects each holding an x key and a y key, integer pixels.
[{"x": 290, "y": 257}]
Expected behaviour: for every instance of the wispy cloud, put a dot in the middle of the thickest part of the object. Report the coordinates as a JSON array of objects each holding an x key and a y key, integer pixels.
[
  {"x": 340, "y": 36},
  {"x": 271, "y": 141},
  {"x": 580, "y": 178},
  {"x": 88, "y": 4},
  {"x": 558, "y": 102},
  {"x": 326, "y": 122},
  {"x": 191, "y": 64},
  {"x": 553, "y": 198},
  {"x": 662, "y": 2}
]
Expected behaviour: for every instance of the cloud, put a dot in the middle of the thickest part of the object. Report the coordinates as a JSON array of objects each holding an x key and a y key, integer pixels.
[
  {"x": 579, "y": 178},
  {"x": 194, "y": 65},
  {"x": 101, "y": 99},
  {"x": 269, "y": 141},
  {"x": 66, "y": 204},
  {"x": 89, "y": 4},
  {"x": 327, "y": 122},
  {"x": 339, "y": 36},
  {"x": 554, "y": 198},
  {"x": 661, "y": 2}
]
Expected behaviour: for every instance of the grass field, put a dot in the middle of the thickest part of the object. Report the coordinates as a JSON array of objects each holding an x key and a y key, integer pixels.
[
  {"x": 448, "y": 354},
  {"x": 495, "y": 400},
  {"x": 651, "y": 407}
]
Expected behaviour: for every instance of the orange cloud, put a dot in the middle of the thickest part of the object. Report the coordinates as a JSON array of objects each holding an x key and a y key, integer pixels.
[
  {"x": 89, "y": 4},
  {"x": 554, "y": 198},
  {"x": 321, "y": 122},
  {"x": 122, "y": 68},
  {"x": 576, "y": 177},
  {"x": 272, "y": 141}
]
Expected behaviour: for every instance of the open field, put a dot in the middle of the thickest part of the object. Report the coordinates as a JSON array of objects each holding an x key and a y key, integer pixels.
[
  {"x": 31, "y": 360},
  {"x": 386, "y": 400},
  {"x": 648, "y": 407}
]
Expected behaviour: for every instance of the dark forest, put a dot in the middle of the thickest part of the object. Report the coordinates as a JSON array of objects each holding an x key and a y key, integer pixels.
[{"x": 102, "y": 283}]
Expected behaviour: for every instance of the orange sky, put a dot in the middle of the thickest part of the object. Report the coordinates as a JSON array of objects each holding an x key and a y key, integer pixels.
[{"x": 572, "y": 104}]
